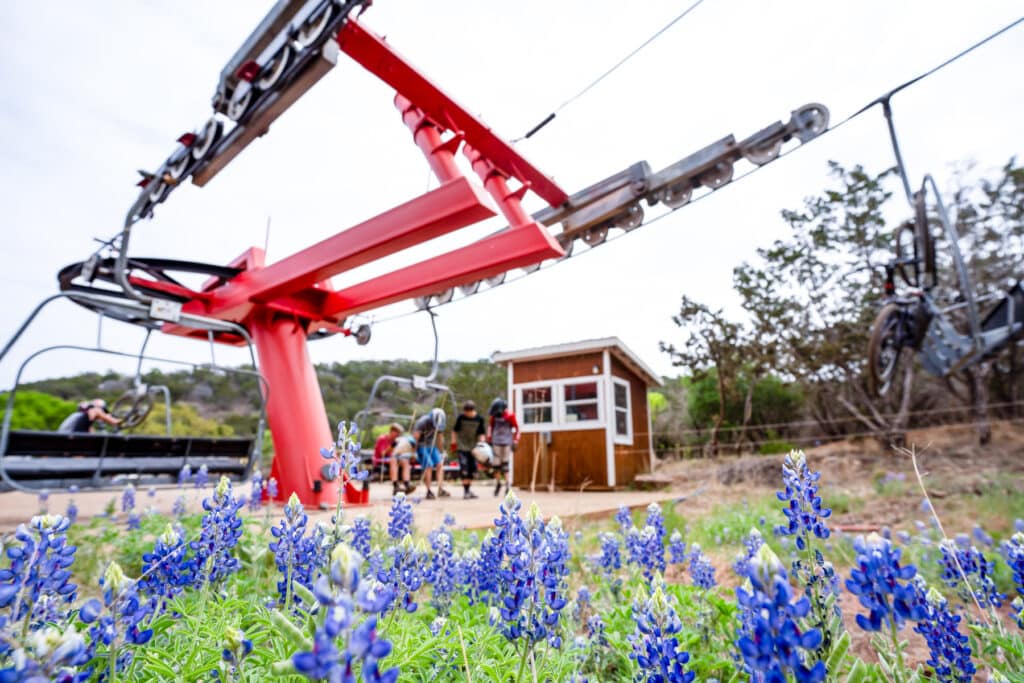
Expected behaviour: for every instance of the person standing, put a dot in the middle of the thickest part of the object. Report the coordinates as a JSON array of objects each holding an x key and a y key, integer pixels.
[
  {"x": 428, "y": 431},
  {"x": 466, "y": 434},
  {"x": 503, "y": 434}
]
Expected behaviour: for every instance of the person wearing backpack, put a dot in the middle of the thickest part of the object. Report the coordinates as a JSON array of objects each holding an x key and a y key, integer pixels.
[{"x": 503, "y": 435}]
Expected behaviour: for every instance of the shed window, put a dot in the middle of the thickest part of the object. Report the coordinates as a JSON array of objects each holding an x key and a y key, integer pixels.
[
  {"x": 580, "y": 402},
  {"x": 538, "y": 406},
  {"x": 623, "y": 412}
]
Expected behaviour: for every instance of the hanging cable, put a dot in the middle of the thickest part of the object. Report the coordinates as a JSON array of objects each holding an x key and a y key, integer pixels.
[
  {"x": 881, "y": 99},
  {"x": 551, "y": 117}
]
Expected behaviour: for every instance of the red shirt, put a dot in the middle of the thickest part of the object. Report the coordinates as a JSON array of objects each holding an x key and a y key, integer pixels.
[{"x": 382, "y": 448}]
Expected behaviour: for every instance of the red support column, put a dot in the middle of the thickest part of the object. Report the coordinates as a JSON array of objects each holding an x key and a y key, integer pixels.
[{"x": 295, "y": 409}]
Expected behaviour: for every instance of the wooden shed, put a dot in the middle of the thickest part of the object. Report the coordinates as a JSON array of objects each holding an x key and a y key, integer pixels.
[{"x": 582, "y": 410}]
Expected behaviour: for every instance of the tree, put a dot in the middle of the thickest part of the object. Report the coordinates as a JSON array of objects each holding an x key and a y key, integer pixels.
[{"x": 712, "y": 343}]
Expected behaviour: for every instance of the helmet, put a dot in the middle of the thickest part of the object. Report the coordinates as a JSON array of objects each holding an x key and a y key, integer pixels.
[
  {"x": 482, "y": 452},
  {"x": 498, "y": 407},
  {"x": 437, "y": 416}
]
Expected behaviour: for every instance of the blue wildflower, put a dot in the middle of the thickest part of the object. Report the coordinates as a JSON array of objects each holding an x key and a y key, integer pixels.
[
  {"x": 49, "y": 653},
  {"x": 770, "y": 638},
  {"x": 344, "y": 454},
  {"x": 441, "y": 571},
  {"x": 804, "y": 512},
  {"x": 184, "y": 475},
  {"x": 128, "y": 506},
  {"x": 656, "y": 649},
  {"x": 701, "y": 570},
  {"x": 202, "y": 478},
  {"x": 221, "y": 531},
  {"x": 876, "y": 581},
  {"x": 294, "y": 554},
  {"x": 400, "y": 517},
  {"x": 1013, "y": 552},
  {"x": 256, "y": 491},
  {"x": 361, "y": 535},
  {"x": 39, "y": 575},
  {"x": 976, "y": 580},
  {"x": 949, "y": 650},
  {"x": 168, "y": 568},
  {"x": 272, "y": 490},
  {"x": 610, "y": 559},
  {"x": 625, "y": 518},
  {"x": 121, "y": 618},
  {"x": 676, "y": 548}
]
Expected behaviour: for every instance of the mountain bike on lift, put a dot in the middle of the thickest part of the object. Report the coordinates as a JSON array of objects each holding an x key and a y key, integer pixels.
[{"x": 913, "y": 319}]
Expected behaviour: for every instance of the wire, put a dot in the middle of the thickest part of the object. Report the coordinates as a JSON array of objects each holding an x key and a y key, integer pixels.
[
  {"x": 551, "y": 117},
  {"x": 878, "y": 100}
]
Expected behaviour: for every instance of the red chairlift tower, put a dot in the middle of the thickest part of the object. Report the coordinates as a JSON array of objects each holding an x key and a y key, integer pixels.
[{"x": 283, "y": 304}]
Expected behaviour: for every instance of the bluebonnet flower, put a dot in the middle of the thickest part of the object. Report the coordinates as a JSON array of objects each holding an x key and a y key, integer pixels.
[
  {"x": 1018, "y": 525},
  {"x": 532, "y": 562},
  {"x": 202, "y": 478},
  {"x": 442, "y": 569},
  {"x": 804, "y": 512},
  {"x": 39, "y": 574},
  {"x": 1013, "y": 552},
  {"x": 751, "y": 544},
  {"x": 256, "y": 491},
  {"x": 904, "y": 537},
  {"x": 610, "y": 559},
  {"x": 119, "y": 619},
  {"x": 405, "y": 573},
  {"x": 437, "y": 626},
  {"x": 49, "y": 653},
  {"x": 449, "y": 519},
  {"x": 701, "y": 570},
  {"x": 168, "y": 568},
  {"x": 236, "y": 647},
  {"x": 180, "y": 508},
  {"x": 44, "y": 501},
  {"x": 221, "y": 530},
  {"x": 770, "y": 638},
  {"x": 128, "y": 506},
  {"x": 647, "y": 550},
  {"x": 676, "y": 548},
  {"x": 272, "y": 489},
  {"x": 361, "y": 535},
  {"x": 72, "y": 510},
  {"x": 344, "y": 454},
  {"x": 882, "y": 585},
  {"x": 400, "y": 517},
  {"x": 976, "y": 580},
  {"x": 184, "y": 475},
  {"x": 656, "y": 649},
  {"x": 950, "y": 650},
  {"x": 982, "y": 536},
  {"x": 341, "y": 593},
  {"x": 582, "y": 604},
  {"x": 294, "y": 554},
  {"x": 625, "y": 518}
]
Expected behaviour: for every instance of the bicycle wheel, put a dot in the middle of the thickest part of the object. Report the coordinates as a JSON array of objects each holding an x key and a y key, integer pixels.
[{"x": 884, "y": 348}]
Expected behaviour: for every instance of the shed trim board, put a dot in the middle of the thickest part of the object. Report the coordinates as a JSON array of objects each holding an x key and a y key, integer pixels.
[
  {"x": 575, "y": 348},
  {"x": 627, "y": 438},
  {"x": 511, "y": 404},
  {"x": 609, "y": 438}
]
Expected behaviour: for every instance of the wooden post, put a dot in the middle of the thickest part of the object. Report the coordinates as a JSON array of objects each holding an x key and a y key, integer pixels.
[
  {"x": 536, "y": 462},
  {"x": 554, "y": 462}
]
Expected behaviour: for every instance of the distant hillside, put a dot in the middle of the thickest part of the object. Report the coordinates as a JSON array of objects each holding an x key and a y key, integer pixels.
[{"x": 230, "y": 399}]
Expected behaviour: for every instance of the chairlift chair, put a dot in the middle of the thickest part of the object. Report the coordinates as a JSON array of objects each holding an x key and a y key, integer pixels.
[{"x": 38, "y": 460}]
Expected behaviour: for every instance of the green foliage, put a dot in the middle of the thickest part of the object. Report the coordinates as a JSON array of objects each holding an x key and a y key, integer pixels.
[
  {"x": 36, "y": 410},
  {"x": 185, "y": 421}
]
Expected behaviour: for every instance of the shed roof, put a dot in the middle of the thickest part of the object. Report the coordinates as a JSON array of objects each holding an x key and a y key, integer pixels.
[{"x": 613, "y": 344}]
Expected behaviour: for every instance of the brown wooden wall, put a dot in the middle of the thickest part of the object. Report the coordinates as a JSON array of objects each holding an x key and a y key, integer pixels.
[
  {"x": 634, "y": 459},
  {"x": 576, "y": 455},
  {"x": 556, "y": 368}
]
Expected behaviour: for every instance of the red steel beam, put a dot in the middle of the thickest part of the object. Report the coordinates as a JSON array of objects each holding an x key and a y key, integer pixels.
[
  {"x": 376, "y": 56},
  {"x": 454, "y": 205},
  {"x": 498, "y": 253}
]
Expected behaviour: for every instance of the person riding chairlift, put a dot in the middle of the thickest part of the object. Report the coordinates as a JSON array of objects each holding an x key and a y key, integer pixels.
[{"x": 81, "y": 421}]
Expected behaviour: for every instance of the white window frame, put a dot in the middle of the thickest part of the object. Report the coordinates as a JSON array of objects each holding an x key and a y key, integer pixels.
[
  {"x": 558, "y": 403},
  {"x": 536, "y": 426},
  {"x": 563, "y": 415},
  {"x": 627, "y": 438}
]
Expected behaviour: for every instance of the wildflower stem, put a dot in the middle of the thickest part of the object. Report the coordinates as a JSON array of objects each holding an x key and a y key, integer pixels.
[
  {"x": 465, "y": 657},
  {"x": 935, "y": 516},
  {"x": 899, "y": 652}
]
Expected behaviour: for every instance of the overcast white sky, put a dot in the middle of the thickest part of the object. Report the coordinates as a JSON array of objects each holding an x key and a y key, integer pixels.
[{"x": 93, "y": 91}]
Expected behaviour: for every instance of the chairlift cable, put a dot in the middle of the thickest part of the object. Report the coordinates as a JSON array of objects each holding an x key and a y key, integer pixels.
[
  {"x": 550, "y": 117},
  {"x": 881, "y": 99}
]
